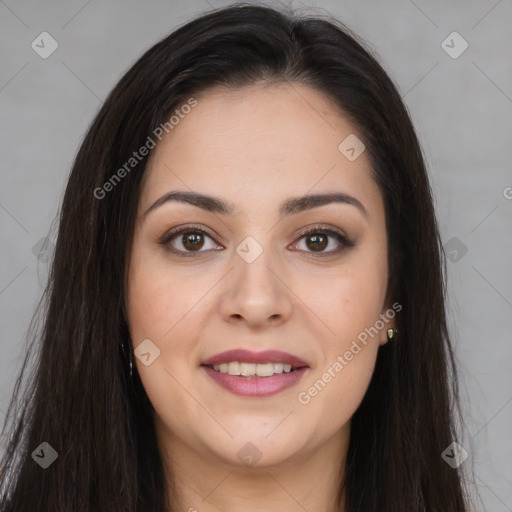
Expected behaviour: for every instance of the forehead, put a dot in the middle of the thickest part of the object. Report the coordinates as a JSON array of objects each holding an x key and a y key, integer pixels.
[{"x": 259, "y": 142}]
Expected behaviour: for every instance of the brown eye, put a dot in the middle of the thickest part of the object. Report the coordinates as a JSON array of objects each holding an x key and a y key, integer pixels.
[
  {"x": 188, "y": 241},
  {"x": 192, "y": 240},
  {"x": 317, "y": 242}
]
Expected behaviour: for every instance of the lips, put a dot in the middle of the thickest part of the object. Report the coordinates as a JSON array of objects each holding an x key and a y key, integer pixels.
[
  {"x": 246, "y": 356},
  {"x": 256, "y": 387}
]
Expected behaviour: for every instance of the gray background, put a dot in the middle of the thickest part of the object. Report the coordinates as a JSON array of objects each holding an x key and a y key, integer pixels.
[{"x": 462, "y": 108}]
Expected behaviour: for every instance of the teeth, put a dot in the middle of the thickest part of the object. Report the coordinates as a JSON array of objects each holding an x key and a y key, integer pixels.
[
  {"x": 278, "y": 367},
  {"x": 234, "y": 368},
  {"x": 252, "y": 369},
  {"x": 247, "y": 369},
  {"x": 265, "y": 370}
]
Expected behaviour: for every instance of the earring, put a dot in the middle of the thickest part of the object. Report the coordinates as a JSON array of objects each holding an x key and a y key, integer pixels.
[{"x": 392, "y": 334}]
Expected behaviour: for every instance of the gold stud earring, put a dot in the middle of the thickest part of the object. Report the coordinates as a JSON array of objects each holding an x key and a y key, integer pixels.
[{"x": 392, "y": 334}]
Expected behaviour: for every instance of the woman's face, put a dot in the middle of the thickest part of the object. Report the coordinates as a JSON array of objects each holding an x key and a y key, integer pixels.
[{"x": 243, "y": 276}]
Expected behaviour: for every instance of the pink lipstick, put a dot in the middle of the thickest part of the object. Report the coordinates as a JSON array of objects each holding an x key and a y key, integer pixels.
[{"x": 255, "y": 374}]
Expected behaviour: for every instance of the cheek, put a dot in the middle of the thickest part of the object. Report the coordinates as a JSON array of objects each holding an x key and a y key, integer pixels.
[
  {"x": 336, "y": 387},
  {"x": 158, "y": 297},
  {"x": 350, "y": 303},
  {"x": 160, "y": 308},
  {"x": 167, "y": 306},
  {"x": 149, "y": 299},
  {"x": 335, "y": 393},
  {"x": 348, "y": 300}
]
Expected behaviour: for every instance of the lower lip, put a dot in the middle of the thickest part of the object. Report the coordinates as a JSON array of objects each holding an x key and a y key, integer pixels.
[{"x": 258, "y": 387}]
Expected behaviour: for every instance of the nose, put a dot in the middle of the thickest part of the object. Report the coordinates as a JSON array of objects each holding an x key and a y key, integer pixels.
[{"x": 256, "y": 293}]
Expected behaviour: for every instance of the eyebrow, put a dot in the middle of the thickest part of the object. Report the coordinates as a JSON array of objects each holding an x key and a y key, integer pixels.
[{"x": 289, "y": 207}]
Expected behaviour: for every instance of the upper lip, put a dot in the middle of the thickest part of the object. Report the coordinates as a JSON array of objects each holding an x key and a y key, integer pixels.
[{"x": 246, "y": 356}]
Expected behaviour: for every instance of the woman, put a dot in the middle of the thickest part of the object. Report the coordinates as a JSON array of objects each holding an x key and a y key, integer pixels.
[{"x": 246, "y": 304}]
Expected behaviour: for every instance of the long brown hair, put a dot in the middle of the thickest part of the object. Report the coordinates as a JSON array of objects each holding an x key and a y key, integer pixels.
[{"x": 79, "y": 397}]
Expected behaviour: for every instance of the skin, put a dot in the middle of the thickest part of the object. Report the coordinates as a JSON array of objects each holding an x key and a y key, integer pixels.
[{"x": 256, "y": 147}]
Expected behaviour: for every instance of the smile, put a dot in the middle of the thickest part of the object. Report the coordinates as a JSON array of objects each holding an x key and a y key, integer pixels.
[
  {"x": 252, "y": 369},
  {"x": 255, "y": 374},
  {"x": 252, "y": 385}
]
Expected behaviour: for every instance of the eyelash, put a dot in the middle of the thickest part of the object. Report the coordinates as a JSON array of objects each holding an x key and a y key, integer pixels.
[{"x": 341, "y": 238}]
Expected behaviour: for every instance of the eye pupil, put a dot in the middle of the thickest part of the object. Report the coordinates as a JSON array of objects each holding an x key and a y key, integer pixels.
[
  {"x": 319, "y": 242},
  {"x": 193, "y": 240}
]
